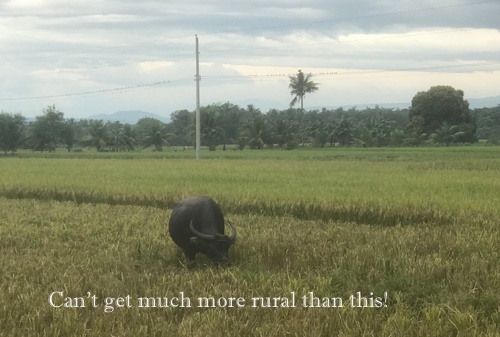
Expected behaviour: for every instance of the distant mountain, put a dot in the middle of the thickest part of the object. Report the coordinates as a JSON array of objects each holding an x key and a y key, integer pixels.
[
  {"x": 474, "y": 103},
  {"x": 486, "y": 102},
  {"x": 130, "y": 117}
]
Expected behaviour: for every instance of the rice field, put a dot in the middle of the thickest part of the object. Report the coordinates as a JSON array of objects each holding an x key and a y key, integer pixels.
[{"x": 355, "y": 242}]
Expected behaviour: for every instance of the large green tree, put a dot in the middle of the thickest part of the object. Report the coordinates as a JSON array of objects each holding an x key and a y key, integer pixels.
[
  {"x": 68, "y": 133},
  {"x": 488, "y": 124},
  {"x": 299, "y": 86},
  {"x": 47, "y": 129},
  {"x": 180, "y": 126},
  {"x": 443, "y": 104},
  {"x": 12, "y": 132}
]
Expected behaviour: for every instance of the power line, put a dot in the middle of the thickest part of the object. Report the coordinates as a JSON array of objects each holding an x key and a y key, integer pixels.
[
  {"x": 337, "y": 75},
  {"x": 103, "y": 91},
  {"x": 106, "y": 66},
  {"x": 261, "y": 77}
]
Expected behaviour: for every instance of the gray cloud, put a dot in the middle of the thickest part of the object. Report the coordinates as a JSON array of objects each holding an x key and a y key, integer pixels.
[{"x": 56, "y": 47}]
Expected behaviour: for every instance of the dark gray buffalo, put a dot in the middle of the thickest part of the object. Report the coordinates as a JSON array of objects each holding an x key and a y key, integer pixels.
[{"x": 197, "y": 226}]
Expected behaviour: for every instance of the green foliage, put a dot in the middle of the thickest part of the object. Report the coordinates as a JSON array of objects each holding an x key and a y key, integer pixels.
[
  {"x": 256, "y": 131},
  {"x": 284, "y": 134},
  {"x": 431, "y": 109},
  {"x": 229, "y": 125},
  {"x": 152, "y": 132},
  {"x": 180, "y": 126},
  {"x": 322, "y": 132},
  {"x": 127, "y": 137},
  {"x": 376, "y": 131},
  {"x": 446, "y": 134},
  {"x": 47, "y": 129},
  {"x": 12, "y": 132},
  {"x": 212, "y": 127},
  {"x": 68, "y": 133},
  {"x": 488, "y": 124},
  {"x": 299, "y": 86},
  {"x": 98, "y": 134},
  {"x": 344, "y": 132}
]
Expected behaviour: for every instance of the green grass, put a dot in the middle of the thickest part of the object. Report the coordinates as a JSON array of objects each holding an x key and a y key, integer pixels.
[
  {"x": 336, "y": 153},
  {"x": 421, "y": 226},
  {"x": 414, "y": 187}
]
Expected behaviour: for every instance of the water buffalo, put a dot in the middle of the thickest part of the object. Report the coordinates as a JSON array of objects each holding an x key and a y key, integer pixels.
[{"x": 197, "y": 226}]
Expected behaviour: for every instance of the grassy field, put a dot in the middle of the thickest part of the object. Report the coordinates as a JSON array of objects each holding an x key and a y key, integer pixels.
[{"x": 414, "y": 232}]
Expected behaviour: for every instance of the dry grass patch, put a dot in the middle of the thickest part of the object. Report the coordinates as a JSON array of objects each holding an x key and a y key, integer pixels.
[{"x": 441, "y": 280}]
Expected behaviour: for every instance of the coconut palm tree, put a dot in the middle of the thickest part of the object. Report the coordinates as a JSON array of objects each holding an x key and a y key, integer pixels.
[
  {"x": 98, "y": 134},
  {"x": 284, "y": 134},
  {"x": 212, "y": 128},
  {"x": 127, "y": 136},
  {"x": 254, "y": 130},
  {"x": 322, "y": 131},
  {"x": 301, "y": 85},
  {"x": 446, "y": 134},
  {"x": 156, "y": 136},
  {"x": 343, "y": 132}
]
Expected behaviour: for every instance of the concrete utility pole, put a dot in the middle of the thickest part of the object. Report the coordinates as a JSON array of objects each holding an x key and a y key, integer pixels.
[{"x": 198, "y": 141}]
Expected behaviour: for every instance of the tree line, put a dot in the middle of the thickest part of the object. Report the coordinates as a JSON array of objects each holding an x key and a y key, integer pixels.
[{"x": 437, "y": 116}]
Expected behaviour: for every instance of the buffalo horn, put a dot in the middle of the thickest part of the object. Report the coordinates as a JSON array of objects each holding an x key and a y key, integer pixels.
[
  {"x": 232, "y": 237},
  {"x": 201, "y": 235}
]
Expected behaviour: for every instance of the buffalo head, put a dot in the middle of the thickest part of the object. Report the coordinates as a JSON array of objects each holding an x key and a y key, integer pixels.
[
  {"x": 197, "y": 226},
  {"x": 215, "y": 246}
]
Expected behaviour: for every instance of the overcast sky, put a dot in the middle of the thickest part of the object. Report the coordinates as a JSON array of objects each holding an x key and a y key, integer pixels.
[{"x": 97, "y": 56}]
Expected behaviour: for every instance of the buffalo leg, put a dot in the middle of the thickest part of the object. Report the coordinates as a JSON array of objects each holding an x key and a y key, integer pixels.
[{"x": 190, "y": 258}]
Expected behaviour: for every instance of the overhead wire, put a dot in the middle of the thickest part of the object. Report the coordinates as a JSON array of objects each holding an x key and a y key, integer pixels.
[
  {"x": 338, "y": 75},
  {"x": 104, "y": 91},
  {"x": 245, "y": 77},
  {"x": 360, "y": 72}
]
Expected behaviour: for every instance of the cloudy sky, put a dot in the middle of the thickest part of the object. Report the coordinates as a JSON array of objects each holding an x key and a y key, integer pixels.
[{"x": 102, "y": 56}]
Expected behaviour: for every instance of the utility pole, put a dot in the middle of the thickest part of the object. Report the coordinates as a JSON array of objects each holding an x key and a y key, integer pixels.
[{"x": 198, "y": 141}]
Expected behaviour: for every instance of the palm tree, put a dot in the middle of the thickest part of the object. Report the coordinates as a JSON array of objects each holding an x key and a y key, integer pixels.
[
  {"x": 212, "y": 129},
  {"x": 446, "y": 134},
  {"x": 284, "y": 133},
  {"x": 375, "y": 131},
  {"x": 98, "y": 134},
  {"x": 127, "y": 135},
  {"x": 343, "y": 132},
  {"x": 321, "y": 131},
  {"x": 255, "y": 130},
  {"x": 156, "y": 136},
  {"x": 301, "y": 85}
]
